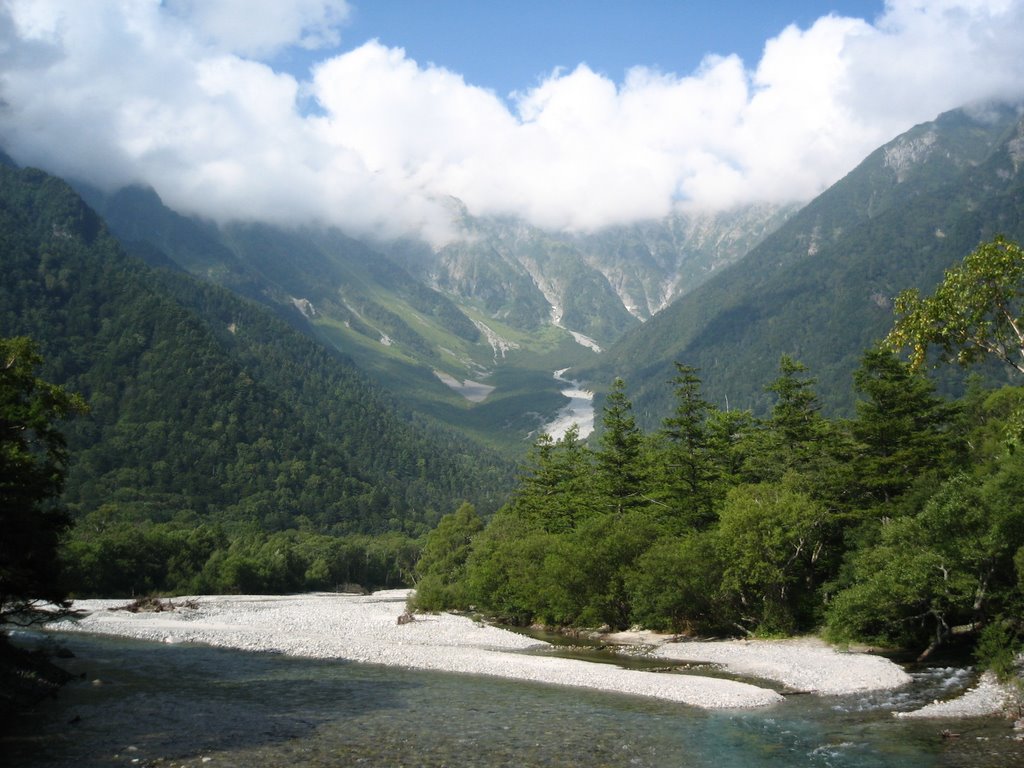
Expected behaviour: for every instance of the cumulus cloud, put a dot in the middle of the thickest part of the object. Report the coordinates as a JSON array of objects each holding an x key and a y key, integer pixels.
[{"x": 178, "y": 95}]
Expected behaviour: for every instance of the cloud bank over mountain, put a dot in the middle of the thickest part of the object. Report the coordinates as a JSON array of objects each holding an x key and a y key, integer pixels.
[{"x": 179, "y": 95}]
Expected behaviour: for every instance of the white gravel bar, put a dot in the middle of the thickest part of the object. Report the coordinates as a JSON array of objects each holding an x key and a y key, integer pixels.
[
  {"x": 366, "y": 629},
  {"x": 988, "y": 697},
  {"x": 801, "y": 664},
  {"x": 811, "y": 665}
]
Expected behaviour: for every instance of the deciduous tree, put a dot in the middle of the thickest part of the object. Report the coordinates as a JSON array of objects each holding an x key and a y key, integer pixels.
[
  {"x": 772, "y": 539},
  {"x": 976, "y": 311},
  {"x": 442, "y": 564}
]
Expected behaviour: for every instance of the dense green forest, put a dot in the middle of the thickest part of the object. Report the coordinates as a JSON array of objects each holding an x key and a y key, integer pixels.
[
  {"x": 215, "y": 431},
  {"x": 349, "y": 297},
  {"x": 901, "y": 526}
]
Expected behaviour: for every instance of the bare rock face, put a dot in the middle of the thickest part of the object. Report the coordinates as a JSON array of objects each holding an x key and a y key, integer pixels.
[{"x": 908, "y": 151}]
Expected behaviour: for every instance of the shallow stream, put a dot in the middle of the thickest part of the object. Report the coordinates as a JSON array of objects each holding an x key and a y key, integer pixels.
[{"x": 149, "y": 704}]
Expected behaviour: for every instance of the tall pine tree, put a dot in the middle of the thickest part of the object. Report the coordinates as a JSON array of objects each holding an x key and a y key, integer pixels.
[
  {"x": 621, "y": 467},
  {"x": 557, "y": 490},
  {"x": 690, "y": 468},
  {"x": 902, "y": 427}
]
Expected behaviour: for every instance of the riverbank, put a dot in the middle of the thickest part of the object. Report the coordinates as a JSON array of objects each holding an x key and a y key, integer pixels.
[
  {"x": 808, "y": 665},
  {"x": 366, "y": 629},
  {"x": 987, "y": 697}
]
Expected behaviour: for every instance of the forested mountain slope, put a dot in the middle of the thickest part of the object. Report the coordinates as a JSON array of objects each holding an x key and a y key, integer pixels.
[
  {"x": 407, "y": 335},
  {"x": 205, "y": 403},
  {"x": 820, "y": 288},
  {"x": 501, "y": 308}
]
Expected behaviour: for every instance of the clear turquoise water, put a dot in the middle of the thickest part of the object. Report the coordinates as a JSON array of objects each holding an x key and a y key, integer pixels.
[{"x": 178, "y": 705}]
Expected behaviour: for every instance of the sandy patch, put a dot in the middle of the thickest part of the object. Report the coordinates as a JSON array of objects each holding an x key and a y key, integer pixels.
[{"x": 474, "y": 391}]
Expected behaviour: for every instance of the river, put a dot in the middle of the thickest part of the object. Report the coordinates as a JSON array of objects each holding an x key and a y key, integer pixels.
[
  {"x": 150, "y": 704},
  {"x": 579, "y": 410}
]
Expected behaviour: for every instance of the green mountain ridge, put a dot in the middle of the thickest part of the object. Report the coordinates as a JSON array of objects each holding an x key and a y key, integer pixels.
[
  {"x": 819, "y": 288},
  {"x": 203, "y": 403}
]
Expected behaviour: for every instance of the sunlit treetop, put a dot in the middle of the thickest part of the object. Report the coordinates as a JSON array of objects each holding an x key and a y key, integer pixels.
[{"x": 976, "y": 311}]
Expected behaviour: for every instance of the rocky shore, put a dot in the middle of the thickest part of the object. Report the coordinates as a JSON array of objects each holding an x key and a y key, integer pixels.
[
  {"x": 367, "y": 629},
  {"x": 988, "y": 697}
]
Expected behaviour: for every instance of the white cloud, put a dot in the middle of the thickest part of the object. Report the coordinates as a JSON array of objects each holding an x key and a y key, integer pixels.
[
  {"x": 261, "y": 27},
  {"x": 174, "y": 94},
  {"x": 934, "y": 55}
]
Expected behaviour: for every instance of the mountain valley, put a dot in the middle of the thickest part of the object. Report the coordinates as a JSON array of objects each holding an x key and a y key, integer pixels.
[{"x": 469, "y": 334}]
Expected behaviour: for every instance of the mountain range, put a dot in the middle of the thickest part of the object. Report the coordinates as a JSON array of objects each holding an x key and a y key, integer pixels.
[
  {"x": 470, "y": 332},
  {"x": 274, "y": 373}
]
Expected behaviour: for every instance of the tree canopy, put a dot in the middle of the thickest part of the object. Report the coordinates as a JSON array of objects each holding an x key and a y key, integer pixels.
[
  {"x": 203, "y": 402},
  {"x": 899, "y": 526}
]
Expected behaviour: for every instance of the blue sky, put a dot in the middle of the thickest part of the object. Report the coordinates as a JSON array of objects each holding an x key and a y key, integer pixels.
[
  {"x": 511, "y": 46},
  {"x": 573, "y": 116}
]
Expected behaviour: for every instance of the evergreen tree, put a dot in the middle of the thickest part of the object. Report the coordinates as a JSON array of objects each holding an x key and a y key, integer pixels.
[
  {"x": 728, "y": 440},
  {"x": 792, "y": 438},
  {"x": 33, "y": 459},
  {"x": 690, "y": 469},
  {"x": 902, "y": 427},
  {"x": 795, "y": 416},
  {"x": 556, "y": 492},
  {"x": 620, "y": 461}
]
